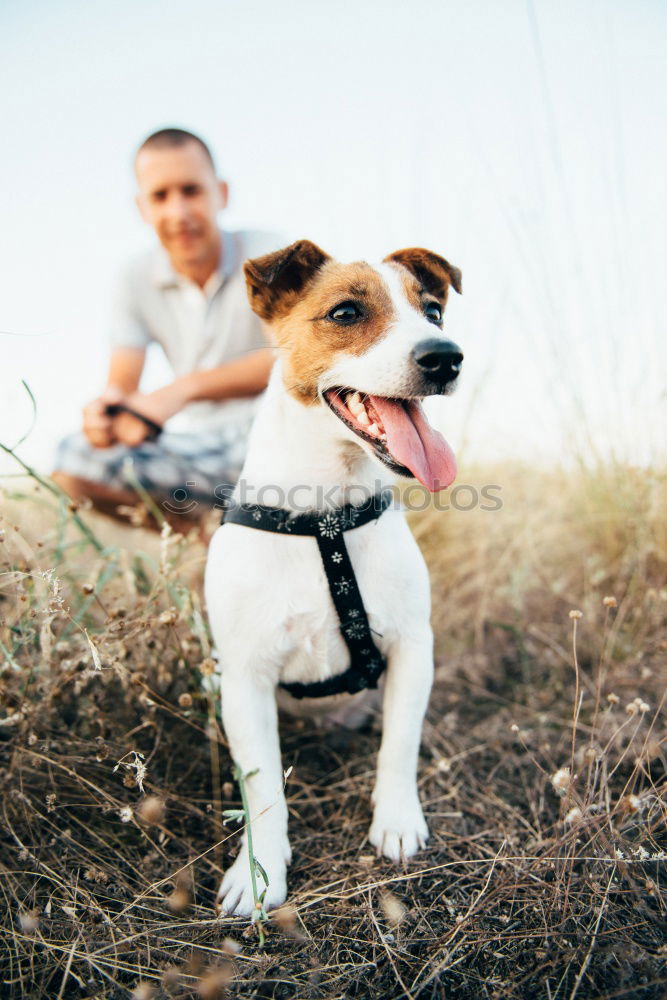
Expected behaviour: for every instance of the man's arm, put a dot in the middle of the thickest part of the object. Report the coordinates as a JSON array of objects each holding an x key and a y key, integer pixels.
[
  {"x": 246, "y": 376},
  {"x": 125, "y": 368}
]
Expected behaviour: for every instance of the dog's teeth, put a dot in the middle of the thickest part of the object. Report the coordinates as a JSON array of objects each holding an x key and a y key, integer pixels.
[
  {"x": 362, "y": 416},
  {"x": 373, "y": 429},
  {"x": 354, "y": 403}
]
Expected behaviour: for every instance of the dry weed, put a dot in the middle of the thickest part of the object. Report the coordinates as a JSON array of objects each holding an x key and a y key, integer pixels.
[{"x": 542, "y": 771}]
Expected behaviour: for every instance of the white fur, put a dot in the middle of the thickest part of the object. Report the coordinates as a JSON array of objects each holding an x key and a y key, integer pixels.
[{"x": 273, "y": 618}]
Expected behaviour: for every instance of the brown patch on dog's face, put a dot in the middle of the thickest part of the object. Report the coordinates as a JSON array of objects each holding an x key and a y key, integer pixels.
[
  {"x": 298, "y": 291},
  {"x": 432, "y": 274},
  {"x": 312, "y": 337}
]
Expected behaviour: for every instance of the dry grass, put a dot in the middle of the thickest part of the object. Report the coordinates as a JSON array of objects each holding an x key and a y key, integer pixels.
[{"x": 545, "y": 874}]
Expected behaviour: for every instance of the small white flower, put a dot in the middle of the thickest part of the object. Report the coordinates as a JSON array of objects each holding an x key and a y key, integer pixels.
[
  {"x": 561, "y": 780},
  {"x": 337, "y": 557},
  {"x": 125, "y": 814},
  {"x": 137, "y": 765}
]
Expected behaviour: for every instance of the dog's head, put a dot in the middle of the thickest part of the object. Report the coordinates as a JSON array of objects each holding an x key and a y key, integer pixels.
[{"x": 367, "y": 342}]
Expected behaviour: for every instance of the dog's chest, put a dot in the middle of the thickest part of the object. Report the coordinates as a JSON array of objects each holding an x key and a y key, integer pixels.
[
  {"x": 282, "y": 597},
  {"x": 310, "y": 632}
]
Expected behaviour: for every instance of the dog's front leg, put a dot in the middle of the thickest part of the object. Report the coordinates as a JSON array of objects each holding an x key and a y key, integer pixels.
[
  {"x": 251, "y": 723},
  {"x": 398, "y": 827}
]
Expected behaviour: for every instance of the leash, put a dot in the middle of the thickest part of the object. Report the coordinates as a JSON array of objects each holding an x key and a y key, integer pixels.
[{"x": 328, "y": 528}]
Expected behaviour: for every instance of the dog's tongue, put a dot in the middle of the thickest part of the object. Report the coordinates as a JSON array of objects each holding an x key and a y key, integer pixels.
[{"x": 415, "y": 444}]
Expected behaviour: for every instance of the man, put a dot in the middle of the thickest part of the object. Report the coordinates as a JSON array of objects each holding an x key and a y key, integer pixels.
[{"x": 189, "y": 296}]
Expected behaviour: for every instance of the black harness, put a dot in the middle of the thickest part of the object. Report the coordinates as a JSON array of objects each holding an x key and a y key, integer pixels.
[{"x": 328, "y": 529}]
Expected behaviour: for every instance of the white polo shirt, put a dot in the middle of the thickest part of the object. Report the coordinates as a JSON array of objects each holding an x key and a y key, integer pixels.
[{"x": 198, "y": 328}]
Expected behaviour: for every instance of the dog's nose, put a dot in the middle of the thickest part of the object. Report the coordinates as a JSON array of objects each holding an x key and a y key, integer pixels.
[{"x": 439, "y": 360}]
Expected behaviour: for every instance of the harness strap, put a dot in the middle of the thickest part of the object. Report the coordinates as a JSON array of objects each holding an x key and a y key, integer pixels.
[
  {"x": 366, "y": 661},
  {"x": 318, "y": 524}
]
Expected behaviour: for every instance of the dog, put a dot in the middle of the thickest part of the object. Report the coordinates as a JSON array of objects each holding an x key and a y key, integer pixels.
[{"x": 359, "y": 347}]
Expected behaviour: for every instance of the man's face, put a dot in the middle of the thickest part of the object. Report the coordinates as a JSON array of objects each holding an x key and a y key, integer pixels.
[{"x": 180, "y": 196}]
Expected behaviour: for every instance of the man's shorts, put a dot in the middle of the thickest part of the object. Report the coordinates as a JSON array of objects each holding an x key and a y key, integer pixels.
[{"x": 182, "y": 469}]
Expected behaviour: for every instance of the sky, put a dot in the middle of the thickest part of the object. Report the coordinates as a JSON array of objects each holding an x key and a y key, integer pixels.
[{"x": 523, "y": 140}]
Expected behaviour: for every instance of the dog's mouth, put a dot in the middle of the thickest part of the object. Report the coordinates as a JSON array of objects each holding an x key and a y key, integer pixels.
[{"x": 399, "y": 433}]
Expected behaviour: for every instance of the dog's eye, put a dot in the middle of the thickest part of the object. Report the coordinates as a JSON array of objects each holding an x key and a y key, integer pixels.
[
  {"x": 433, "y": 312},
  {"x": 345, "y": 313}
]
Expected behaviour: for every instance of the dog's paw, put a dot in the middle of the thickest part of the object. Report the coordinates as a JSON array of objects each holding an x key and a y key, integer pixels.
[
  {"x": 235, "y": 896},
  {"x": 398, "y": 829}
]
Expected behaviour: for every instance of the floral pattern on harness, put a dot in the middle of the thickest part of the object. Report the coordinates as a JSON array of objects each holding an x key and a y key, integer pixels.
[
  {"x": 355, "y": 630},
  {"x": 330, "y": 525}
]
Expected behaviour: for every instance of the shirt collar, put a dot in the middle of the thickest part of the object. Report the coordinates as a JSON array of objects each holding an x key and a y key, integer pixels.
[{"x": 166, "y": 277}]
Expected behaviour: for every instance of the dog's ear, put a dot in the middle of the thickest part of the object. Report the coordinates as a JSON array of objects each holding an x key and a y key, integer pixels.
[
  {"x": 433, "y": 273},
  {"x": 276, "y": 280}
]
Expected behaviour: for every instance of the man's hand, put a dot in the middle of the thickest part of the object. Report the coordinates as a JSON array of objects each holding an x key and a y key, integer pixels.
[
  {"x": 125, "y": 368},
  {"x": 157, "y": 406},
  {"x": 128, "y": 430},
  {"x": 97, "y": 426}
]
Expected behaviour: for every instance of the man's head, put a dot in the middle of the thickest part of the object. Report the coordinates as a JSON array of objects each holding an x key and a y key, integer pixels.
[{"x": 180, "y": 196}]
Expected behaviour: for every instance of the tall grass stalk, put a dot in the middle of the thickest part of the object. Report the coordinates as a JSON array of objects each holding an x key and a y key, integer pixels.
[{"x": 259, "y": 916}]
